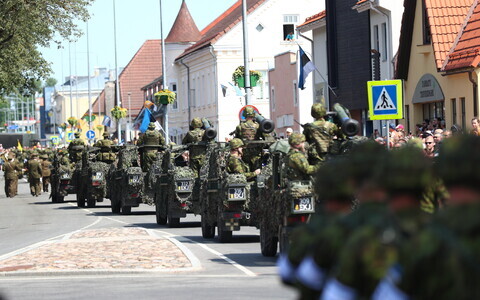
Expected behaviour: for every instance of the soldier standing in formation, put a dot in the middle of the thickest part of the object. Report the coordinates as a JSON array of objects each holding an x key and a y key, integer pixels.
[
  {"x": 34, "y": 175},
  {"x": 319, "y": 134},
  {"x": 195, "y": 135},
  {"x": 46, "y": 171},
  {"x": 299, "y": 168},
  {"x": 235, "y": 163},
  {"x": 11, "y": 170},
  {"x": 151, "y": 137},
  {"x": 106, "y": 154},
  {"x": 75, "y": 148}
]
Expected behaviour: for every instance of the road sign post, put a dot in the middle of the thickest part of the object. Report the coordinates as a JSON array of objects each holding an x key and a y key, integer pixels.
[{"x": 90, "y": 134}]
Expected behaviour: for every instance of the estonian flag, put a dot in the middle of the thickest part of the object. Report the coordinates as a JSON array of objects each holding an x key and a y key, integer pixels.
[
  {"x": 107, "y": 121},
  {"x": 147, "y": 118},
  {"x": 306, "y": 67}
]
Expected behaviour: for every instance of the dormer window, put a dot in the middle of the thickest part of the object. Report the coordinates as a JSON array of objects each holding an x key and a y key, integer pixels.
[{"x": 289, "y": 23}]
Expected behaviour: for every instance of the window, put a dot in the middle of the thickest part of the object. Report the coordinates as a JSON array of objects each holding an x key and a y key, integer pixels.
[
  {"x": 454, "y": 111},
  {"x": 272, "y": 99},
  {"x": 384, "y": 52},
  {"x": 376, "y": 38},
  {"x": 426, "y": 26},
  {"x": 260, "y": 90},
  {"x": 464, "y": 123},
  {"x": 433, "y": 110},
  {"x": 289, "y": 22},
  {"x": 193, "y": 95},
  {"x": 295, "y": 93},
  {"x": 260, "y": 27},
  {"x": 174, "y": 89}
]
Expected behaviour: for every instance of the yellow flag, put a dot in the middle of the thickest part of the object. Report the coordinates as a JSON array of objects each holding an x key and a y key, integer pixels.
[{"x": 19, "y": 146}]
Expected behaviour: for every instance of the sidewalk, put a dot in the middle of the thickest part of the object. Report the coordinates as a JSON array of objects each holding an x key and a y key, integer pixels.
[{"x": 117, "y": 250}]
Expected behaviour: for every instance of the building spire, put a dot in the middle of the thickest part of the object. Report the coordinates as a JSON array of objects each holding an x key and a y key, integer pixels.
[{"x": 184, "y": 29}]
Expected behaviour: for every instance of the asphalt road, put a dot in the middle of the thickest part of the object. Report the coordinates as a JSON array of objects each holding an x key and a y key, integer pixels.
[{"x": 235, "y": 270}]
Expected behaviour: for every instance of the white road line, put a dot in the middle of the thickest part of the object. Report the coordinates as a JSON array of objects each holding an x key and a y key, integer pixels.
[{"x": 230, "y": 261}]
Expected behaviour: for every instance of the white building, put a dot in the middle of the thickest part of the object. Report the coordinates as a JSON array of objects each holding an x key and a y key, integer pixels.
[{"x": 202, "y": 74}]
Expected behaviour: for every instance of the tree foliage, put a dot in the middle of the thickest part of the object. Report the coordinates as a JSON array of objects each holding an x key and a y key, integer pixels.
[{"x": 26, "y": 25}]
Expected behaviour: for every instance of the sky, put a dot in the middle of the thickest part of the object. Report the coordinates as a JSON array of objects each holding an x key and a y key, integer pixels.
[{"x": 136, "y": 21}]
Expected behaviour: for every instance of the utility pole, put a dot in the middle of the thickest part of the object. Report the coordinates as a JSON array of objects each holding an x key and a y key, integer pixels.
[{"x": 245, "y": 53}]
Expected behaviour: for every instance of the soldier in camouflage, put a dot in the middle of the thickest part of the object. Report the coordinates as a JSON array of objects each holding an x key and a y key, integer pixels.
[
  {"x": 75, "y": 148},
  {"x": 34, "y": 174},
  {"x": 296, "y": 160},
  {"x": 235, "y": 163},
  {"x": 319, "y": 134},
  {"x": 46, "y": 171},
  {"x": 151, "y": 137},
  {"x": 106, "y": 154},
  {"x": 195, "y": 135},
  {"x": 249, "y": 131}
]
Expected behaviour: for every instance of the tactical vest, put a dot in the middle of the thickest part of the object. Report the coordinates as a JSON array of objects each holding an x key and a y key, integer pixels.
[
  {"x": 322, "y": 134},
  {"x": 291, "y": 172},
  {"x": 151, "y": 138},
  {"x": 248, "y": 130}
]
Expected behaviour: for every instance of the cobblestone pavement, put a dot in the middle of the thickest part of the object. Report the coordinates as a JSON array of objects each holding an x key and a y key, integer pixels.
[{"x": 109, "y": 249}]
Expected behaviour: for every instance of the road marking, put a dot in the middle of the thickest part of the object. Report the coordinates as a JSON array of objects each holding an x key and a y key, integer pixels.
[{"x": 230, "y": 261}]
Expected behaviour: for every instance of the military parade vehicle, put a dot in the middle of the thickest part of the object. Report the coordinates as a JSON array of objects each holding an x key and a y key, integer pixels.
[
  {"x": 174, "y": 196},
  {"x": 91, "y": 178},
  {"x": 61, "y": 177},
  {"x": 126, "y": 181}
]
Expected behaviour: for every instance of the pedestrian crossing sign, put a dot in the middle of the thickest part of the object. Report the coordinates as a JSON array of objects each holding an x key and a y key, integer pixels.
[{"x": 385, "y": 99}]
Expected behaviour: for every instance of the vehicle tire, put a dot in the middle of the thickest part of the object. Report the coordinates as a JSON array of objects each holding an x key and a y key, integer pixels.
[
  {"x": 126, "y": 210},
  {"x": 161, "y": 220},
  {"x": 224, "y": 236},
  {"x": 208, "y": 231},
  {"x": 91, "y": 202},
  {"x": 80, "y": 199},
  {"x": 268, "y": 241},
  {"x": 115, "y": 206},
  {"x": 173, "y": 222}
]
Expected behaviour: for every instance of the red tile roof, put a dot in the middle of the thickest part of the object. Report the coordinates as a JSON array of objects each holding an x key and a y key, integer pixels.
[
  {"x": 143, "y": 68},
  {"x": 446, "y": 19},
  {"x": 222, "y": 25},
  {"x": 184, "y": 28},
  {"x": 321, "y": 15},
  {"x": 466, "y": 51}
]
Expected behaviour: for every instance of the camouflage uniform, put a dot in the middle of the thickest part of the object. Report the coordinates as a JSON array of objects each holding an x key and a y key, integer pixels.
[
  {"x": 11, "y": 169},
  {"x": 34, "y": 175},
  {"x": 249, "y": 131},
  {"x": 106, "y": 154},
  {"x": 319, "y": 134},
  {"x": 235, "y": 164},
  {"x": 151, "y": 137},
  {"x": 196, "y": 135},
  {"x": 75, "y": 148},
  {"x": 46, "y": 171},
  {"x": 299, "y": 168}
]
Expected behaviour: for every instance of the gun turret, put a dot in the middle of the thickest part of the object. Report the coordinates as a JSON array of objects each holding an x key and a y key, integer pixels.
[
  {"x": 210, "y": 133},
  {"x": 266, "y": 125}
]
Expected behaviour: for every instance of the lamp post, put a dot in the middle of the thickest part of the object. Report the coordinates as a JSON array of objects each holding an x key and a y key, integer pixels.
[
  {"x": 117, "y": 84},
  {"x": 129, "y": 117},
  {"x": 164, "y": 75},
  {"x": 245, "y": 53}
]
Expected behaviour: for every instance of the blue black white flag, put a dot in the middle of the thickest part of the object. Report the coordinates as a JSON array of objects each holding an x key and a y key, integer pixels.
[
  {"x": 306, "y": 67},
  {"x": 147, "y": 118}
]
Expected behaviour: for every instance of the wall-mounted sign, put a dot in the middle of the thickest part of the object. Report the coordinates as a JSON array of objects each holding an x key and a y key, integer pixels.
[{"x": 428, "y": 90}]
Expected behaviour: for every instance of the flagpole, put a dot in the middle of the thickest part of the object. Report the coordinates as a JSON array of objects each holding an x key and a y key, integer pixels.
[
  {"x": 164, "y": 74},
  {"x": 246, "y": 74},
  {"x": 117, "y": 84}
]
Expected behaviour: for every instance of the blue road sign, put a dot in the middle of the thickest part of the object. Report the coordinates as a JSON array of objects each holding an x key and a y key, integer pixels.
[
  {"x": 385, "y": 99},
  {"x": 90, "y": 134}
]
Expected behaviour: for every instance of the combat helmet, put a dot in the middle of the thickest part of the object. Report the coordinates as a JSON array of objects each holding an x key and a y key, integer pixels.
[
  {"x": 151, "y": 126},
  {"x": 236, "y": 143},
  {"x": 196, "y": 123},
  {"x": 44, "y": 156},
  {"x": 318, "y": 110},
  {"x": 296, "y": 139},
  {"x": 77, "y": 135},
  {"x": 106, "y": 135},
  {"x": 248, "y": 112}
]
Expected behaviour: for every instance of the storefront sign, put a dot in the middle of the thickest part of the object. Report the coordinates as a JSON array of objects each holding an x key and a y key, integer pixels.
[{"x": 428, "y": 90}]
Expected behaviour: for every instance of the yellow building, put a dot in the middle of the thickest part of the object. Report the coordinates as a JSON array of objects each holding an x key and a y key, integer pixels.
[{"x": 435, "y": 59}]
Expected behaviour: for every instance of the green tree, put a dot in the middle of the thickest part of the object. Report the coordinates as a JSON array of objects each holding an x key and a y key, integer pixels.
[
  {"x": 26, "y": 25},
  {"x": 50, "y": 82}
]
